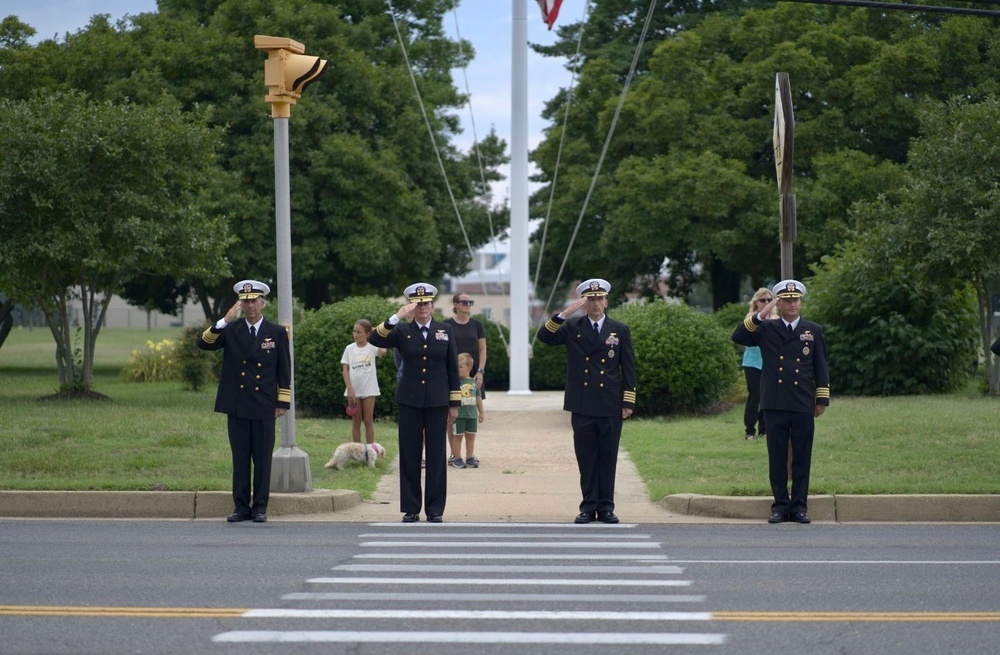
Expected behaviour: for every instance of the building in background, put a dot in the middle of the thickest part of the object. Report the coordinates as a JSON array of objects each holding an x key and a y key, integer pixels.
[
  {"x": 119, "y": 314},
  {"x": 488, "y": 283}
]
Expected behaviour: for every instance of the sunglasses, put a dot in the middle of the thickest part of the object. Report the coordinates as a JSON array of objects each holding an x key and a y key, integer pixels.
[
  {"x": 467, "y": 303},
  {"x": 765, "y": 300}
]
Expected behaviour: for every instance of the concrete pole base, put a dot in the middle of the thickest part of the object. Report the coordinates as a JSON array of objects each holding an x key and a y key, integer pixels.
[{"x": 290, "y": 470}]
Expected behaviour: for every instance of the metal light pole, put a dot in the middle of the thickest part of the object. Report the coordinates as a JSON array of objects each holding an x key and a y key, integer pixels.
[{"x": 287, "y": 72}]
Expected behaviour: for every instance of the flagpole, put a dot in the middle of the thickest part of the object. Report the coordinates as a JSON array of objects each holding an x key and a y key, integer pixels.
[{"x": 519, "y": 351}]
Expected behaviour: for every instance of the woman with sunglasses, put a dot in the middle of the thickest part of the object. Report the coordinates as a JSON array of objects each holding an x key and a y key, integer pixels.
[
  {"x": 470, "y": 336},
  {"x": 753, "y": 415}
]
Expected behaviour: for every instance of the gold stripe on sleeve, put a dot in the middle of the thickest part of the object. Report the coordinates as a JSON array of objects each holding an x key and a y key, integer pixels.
[{"x": 208, "y": 336}]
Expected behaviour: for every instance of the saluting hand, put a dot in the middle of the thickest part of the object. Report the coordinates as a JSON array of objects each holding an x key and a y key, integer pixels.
[
  {"x": 233, "y": 312},
  {"x": 573, "y": 307},
  {"x": 765, "y": 312},
  {"x": 406, "y": 311}
]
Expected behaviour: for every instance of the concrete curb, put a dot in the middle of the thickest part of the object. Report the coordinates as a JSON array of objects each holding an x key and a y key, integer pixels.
[
  {"x": 845, "y": 508},
  {"x": 163, "y": 504}
]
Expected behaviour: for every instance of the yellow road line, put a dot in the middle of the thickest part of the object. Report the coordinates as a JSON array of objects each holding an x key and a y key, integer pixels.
[
  {"x": 235, "y": 613},
  {"x": 164, "y": 612},
  {"x": 890, "y": 617}
]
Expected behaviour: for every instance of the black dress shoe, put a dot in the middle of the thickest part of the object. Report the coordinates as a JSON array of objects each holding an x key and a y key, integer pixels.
[
  {"x": 259, "y": 517},
  {"x": 434, "y": 518},
  {"x": 411, "y": 518},
  {"x": 585, "y": 517},
  {"x": 608, "y": 517},
  {"x": 778, "y": 517},
  {"x": 800, "y": 517},
  {"x": 236, "y": 517}
]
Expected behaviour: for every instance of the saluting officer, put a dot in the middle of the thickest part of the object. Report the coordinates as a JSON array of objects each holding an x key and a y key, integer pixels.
[
  {"x": 794, "y": 390},
  {"x": 255, "y": 387},
  {"x": 600, "y": 392},
  {"x": 428, "y": 393}
]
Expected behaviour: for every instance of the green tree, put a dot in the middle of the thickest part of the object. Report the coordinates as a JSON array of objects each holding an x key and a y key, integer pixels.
[
  {"x": 702, "y": 105},
  {"x": 92, "y": 193},
  {"x": 891, "y": 330},
  {"x": 947, "y": 225},
  {"x": 365, "y": 186}
]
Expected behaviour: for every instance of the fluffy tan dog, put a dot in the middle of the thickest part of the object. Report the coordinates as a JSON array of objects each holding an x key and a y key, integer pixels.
[{"x": 358, "y": 452}]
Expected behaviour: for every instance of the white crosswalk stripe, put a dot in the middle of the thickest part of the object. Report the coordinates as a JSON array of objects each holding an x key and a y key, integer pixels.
[{"x": 463, "y": 555}]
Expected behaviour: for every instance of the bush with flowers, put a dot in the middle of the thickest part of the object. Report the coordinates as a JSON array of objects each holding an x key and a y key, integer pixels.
[{"x": 157, "y": 363}]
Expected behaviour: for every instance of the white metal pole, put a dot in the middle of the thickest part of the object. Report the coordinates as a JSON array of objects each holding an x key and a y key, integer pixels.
[{"x": 519, "y": 353}]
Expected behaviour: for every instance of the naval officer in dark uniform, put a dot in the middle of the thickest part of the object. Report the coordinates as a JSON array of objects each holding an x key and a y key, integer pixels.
[
  {"x": 255, "y": 387},
  {"x": 600, "y": 392},
  {"x": 428, "y": 395},
  {"x": 794, "y": 390}
]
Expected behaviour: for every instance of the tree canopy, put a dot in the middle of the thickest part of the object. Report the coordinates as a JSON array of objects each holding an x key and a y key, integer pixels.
[
  {"x": 688, "y": 185},
  {"x": 93, "y": 193},
  {"x": 945, "y": 223},
  {"x": 370, "y": 210}
]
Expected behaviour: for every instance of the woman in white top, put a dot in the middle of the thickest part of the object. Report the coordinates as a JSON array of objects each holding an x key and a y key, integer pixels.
[{"x": 361, "y": 381}]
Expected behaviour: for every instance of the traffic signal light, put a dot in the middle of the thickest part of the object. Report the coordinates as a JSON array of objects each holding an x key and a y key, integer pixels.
[{"x": 287, "y": 72}]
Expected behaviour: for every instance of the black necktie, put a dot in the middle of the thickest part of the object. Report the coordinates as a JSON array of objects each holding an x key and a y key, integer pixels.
[
  {"x": 597, "y": 329},
  {"x": 253, "y": 334},
  {"x": 791, "y": 330}
]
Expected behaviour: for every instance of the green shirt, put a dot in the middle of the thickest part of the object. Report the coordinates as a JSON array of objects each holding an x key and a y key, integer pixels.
[{"x": 470, "y": 394}]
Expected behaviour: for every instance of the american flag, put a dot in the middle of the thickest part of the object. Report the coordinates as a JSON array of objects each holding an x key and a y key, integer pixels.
[{"x": 550, "y": 11}]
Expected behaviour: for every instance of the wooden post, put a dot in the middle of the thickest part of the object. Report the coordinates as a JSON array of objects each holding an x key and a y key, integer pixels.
[{"x": 784, "y": 142}]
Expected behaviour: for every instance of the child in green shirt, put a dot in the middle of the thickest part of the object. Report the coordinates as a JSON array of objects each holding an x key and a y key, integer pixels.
[{"x": 470, "y": 415}]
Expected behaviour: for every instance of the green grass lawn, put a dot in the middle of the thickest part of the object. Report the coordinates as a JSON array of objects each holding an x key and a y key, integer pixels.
[
  {"x": 147, "y": 436},
  {"x": 159, "y": 436},
  {"x": 914, "y": 445}
]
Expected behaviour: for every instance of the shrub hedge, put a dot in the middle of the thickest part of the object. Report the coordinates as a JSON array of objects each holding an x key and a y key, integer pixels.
[
  {"x": 197, "y": 367},
  {"x": 889, "y": 332},
  {"x": 320, "y": 340},
  {"x": 684, "y": 359},
  {"x": 497, "y": 376}
]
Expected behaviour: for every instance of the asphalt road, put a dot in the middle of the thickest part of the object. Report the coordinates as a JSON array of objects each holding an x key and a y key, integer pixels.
[{"x": 151, "y": 587}]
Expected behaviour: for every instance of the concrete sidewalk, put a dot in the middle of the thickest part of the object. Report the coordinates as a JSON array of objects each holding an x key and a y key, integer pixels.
[{"x": 528, "y": 473}]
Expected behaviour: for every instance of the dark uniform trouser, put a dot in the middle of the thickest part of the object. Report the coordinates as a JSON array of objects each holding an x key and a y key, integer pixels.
[
  {"x": 782, "y": 427},
  {"x": 414, "y": 424},
  {"x": 251, "y": 441},
  {"x": 595, "y": 439}
]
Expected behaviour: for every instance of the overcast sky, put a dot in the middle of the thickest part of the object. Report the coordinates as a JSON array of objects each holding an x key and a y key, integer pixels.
[{"x": 485, "y": 23}]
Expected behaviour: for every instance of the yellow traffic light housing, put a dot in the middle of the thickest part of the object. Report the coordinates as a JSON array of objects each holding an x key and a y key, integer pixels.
[{"x": 287, "y": 72}]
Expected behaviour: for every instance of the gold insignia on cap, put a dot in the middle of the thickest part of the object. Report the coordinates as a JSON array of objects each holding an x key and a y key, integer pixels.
[
  {"x": 420, "y": 291},
  {"x": 790, "y": 287},
  {"x": 247, "y": 288},
  {"x": 595, "y": 285}
]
